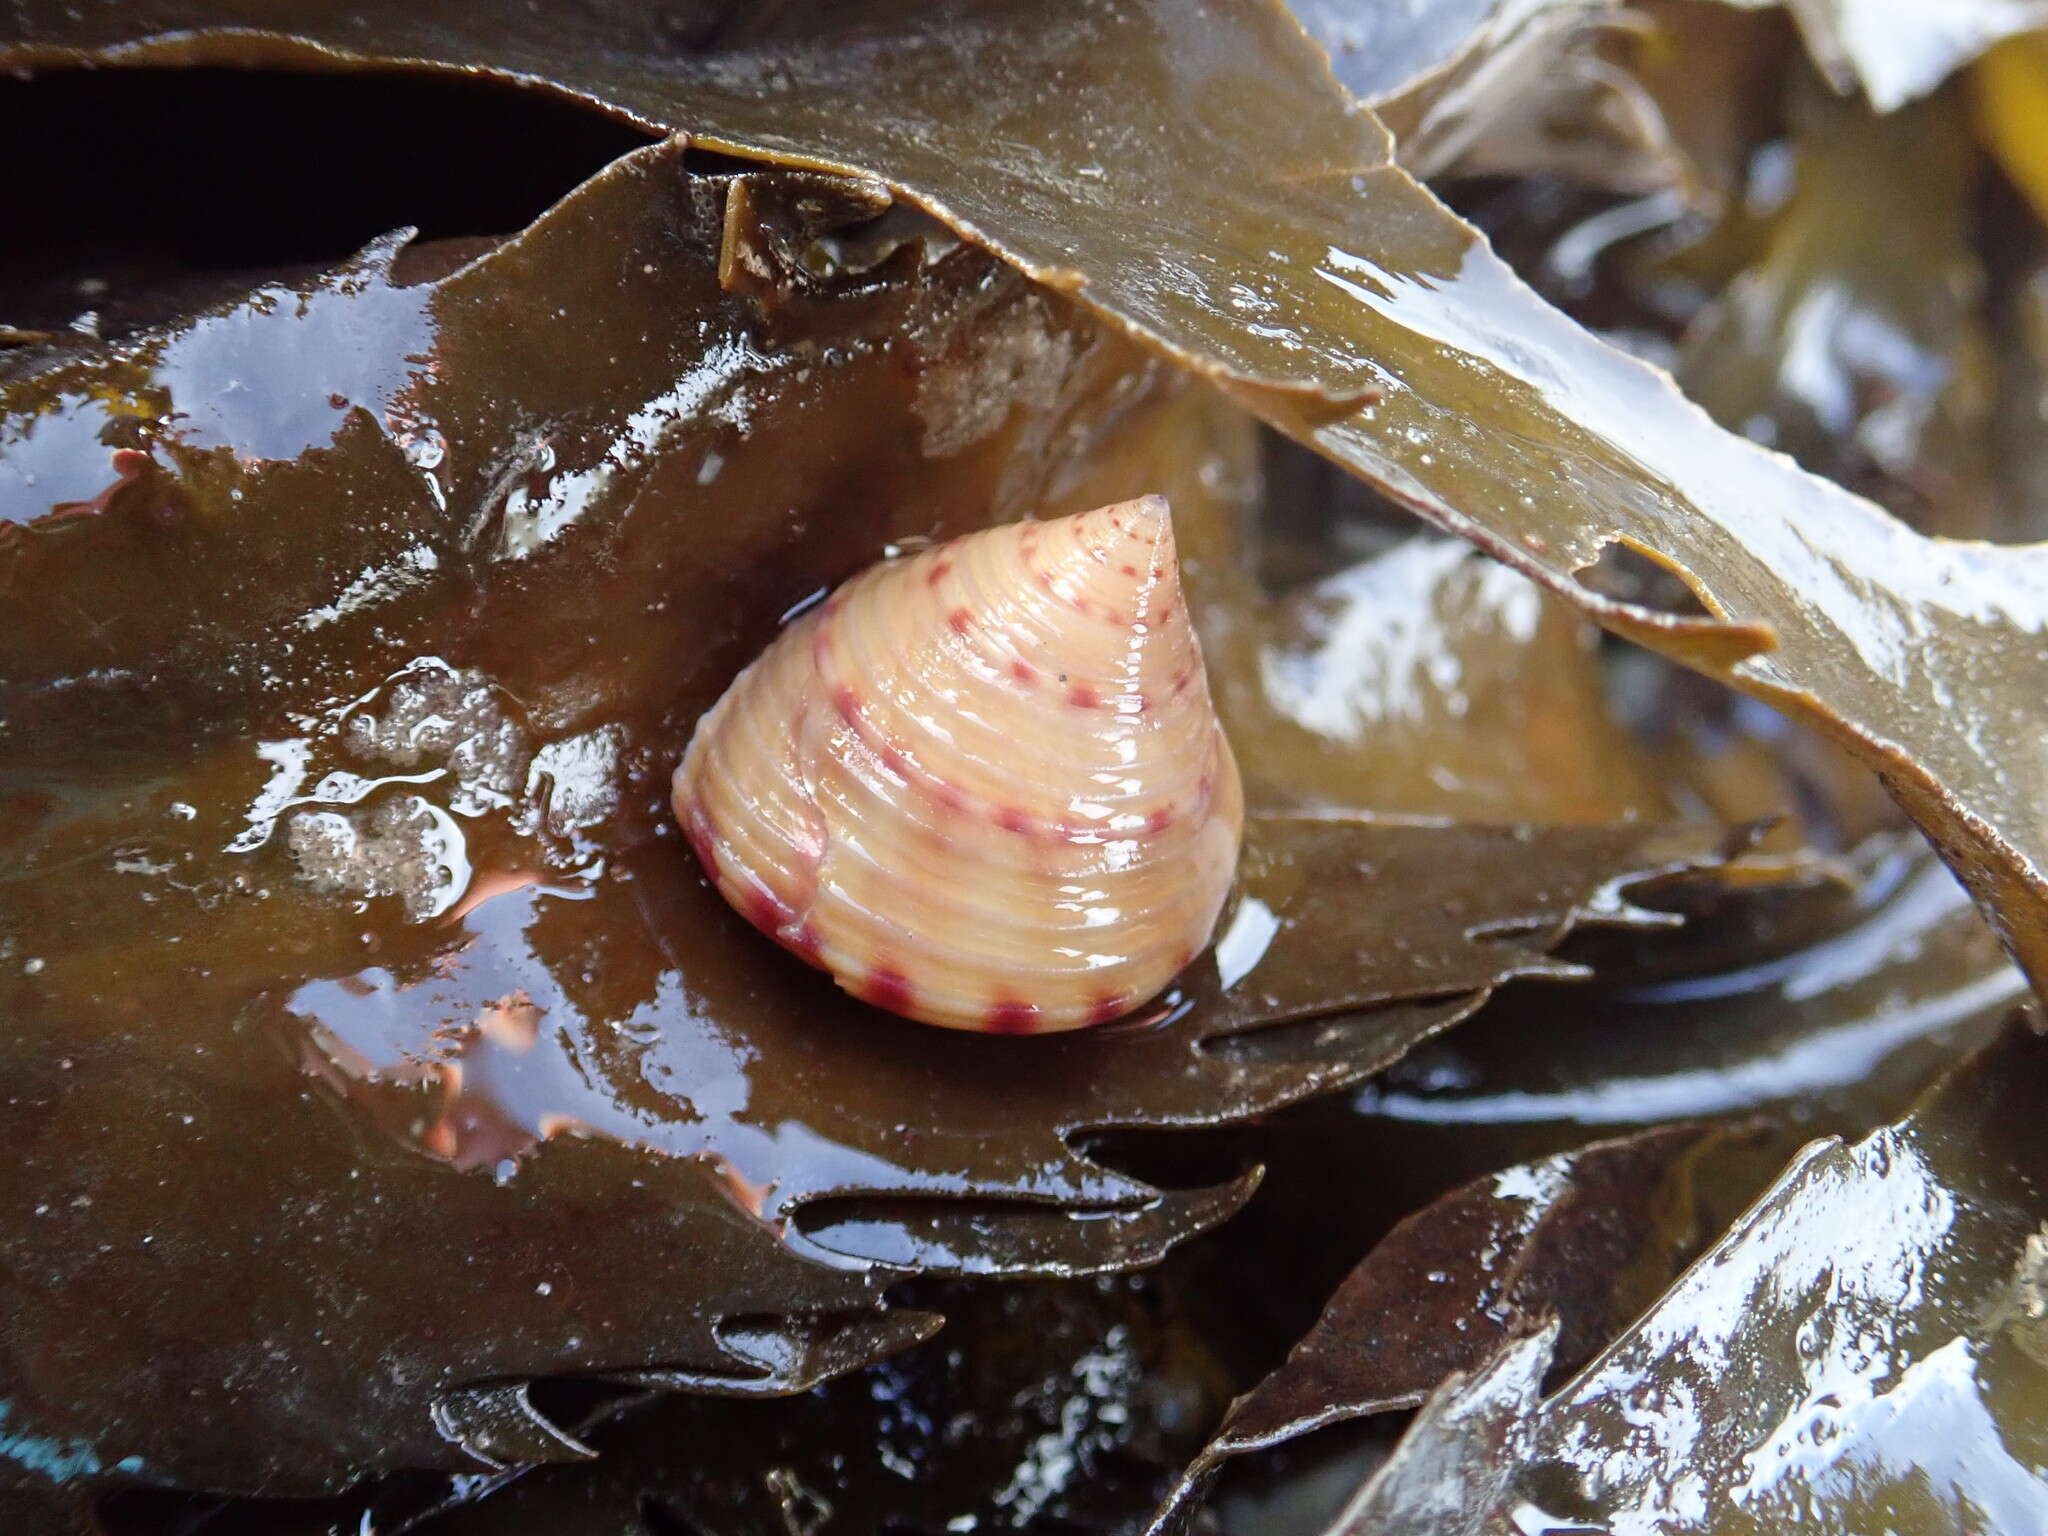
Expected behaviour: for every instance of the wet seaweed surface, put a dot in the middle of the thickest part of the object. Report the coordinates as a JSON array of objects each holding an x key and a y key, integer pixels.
[
  {"x": 1587, "y": 1237},
  {"x": 1289, "y": 260},
  {"x": 387, "y": 790},
  {"x": 404, "y": 1136},
  {"x": 1859, "y": 1348}
]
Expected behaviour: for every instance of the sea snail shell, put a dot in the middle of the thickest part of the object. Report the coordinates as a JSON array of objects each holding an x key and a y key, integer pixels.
[{"x": 983, "y": 786}]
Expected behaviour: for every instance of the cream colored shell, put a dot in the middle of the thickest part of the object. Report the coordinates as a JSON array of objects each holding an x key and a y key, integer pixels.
[{"x": 983, "y": 786}]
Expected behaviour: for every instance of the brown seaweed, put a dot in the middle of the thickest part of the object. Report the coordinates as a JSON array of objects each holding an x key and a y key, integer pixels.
[
  {"x": 1044, "y": 1405},
  {"x": 1860, "y": 1349},
  {"x": 1589, "y": 1237},
  {"x": 139, "y": 987},
  {"x": 1551, "y": 93},
  {"x": 1891, "y": 56},
  {"x": 1821, "y": 1010},
  {"x": 1858, "y": 341},
  {"x": 1199, "y": 179},
  {"x": 1428, "y": 681},
  {"x": 355, "y": 971}
]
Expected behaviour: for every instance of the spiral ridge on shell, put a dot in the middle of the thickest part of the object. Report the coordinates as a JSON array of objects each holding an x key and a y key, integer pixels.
[{"x": 983, "y": 786}]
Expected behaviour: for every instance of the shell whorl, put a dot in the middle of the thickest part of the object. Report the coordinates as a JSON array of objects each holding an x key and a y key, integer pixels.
[{"x": 983, "y": 786}]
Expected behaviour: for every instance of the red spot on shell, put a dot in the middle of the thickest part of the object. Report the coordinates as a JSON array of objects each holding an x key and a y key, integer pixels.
[
  {"x": 1181, "y": 681},
  {"x": 1165, "y": 612},
  {"x": 1023, "y": 671},
  {"x": 1007, "y": 1016},
  {"x": 1128, "y": 570},
  {"x": 894, "y": 760},
  {"x": 1081, "y": 696},
  {"x": 940, "y": 570},
  {"x": 961, "y": 620},
  {"x": 1010, "y": 819},
  {"x": 1107, "y": 1008},
  {"x": 887, "y": 987},
  {"x": 1159, "y": 820},
  {"x": 950, "y": 795},
  {"x": 766, "y": 912},
  {"x": 847, "y": 702}
]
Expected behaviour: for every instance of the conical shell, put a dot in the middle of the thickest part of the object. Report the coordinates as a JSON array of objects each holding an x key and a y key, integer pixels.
[{"x": 983, "y": 786}]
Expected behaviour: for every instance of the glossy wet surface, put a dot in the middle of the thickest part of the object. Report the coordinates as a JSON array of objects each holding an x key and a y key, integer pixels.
[
  {"x": 348, "y": 912},
  {"x": 353, "y": 618},
  {"x": 1385, "y": 355},
  {"x": 1857, "y": 1349}
]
